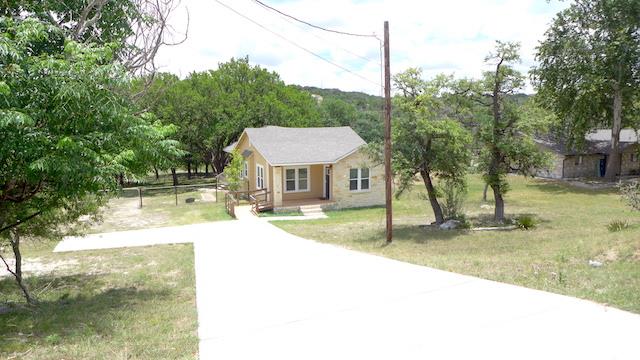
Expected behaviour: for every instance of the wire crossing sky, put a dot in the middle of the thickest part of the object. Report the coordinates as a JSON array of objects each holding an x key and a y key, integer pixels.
[
  {"x": 451, "y": 36},
  {"x": 310, "y": 52}
]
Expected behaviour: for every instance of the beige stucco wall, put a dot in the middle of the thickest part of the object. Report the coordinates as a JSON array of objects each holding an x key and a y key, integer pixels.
[
  {"x": 255, "y": 159},
  {"x": 346, "y": 198},
  {"x": 315, "y": 188}
]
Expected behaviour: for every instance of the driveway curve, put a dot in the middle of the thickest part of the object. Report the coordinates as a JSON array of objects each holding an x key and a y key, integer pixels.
[{"x": 263, "y": 293}]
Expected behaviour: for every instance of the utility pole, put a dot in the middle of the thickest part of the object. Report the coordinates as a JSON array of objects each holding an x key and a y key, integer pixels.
[{"x": 387, "y": 133}]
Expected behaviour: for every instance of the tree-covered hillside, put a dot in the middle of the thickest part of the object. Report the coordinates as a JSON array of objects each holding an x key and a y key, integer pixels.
[{"x": 363, "y": 112}]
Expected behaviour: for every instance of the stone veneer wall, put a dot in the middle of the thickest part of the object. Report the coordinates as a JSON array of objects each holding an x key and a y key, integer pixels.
[
  {"x": 629, "y": 167},
  {"x": 555, "y": 170},
  {"x": 343, "y": 196},
  {"x": 590, "y": 167}
]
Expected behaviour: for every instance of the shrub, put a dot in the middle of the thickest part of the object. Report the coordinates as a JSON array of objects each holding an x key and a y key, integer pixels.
[
  {"x": 631, "y": 194},
  {"x": 453, "y": 195},
  {"x": 617, "y": 225},
  {"x": 525, "y": 222},
  {"x": 233, "y": 171}
]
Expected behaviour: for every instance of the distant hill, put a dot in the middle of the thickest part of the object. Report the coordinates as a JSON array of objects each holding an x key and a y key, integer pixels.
[
  {"x": 362, "y": 101},
  {"x": 363, "y": 112}
]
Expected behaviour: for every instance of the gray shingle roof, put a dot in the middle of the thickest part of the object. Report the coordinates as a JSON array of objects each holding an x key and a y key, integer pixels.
[
  {"x": 229, "y": 148},
  {"x": 626, "y": 135},
  {"x": 288, "y": 146},
  {"x": 596, "y": 142}
]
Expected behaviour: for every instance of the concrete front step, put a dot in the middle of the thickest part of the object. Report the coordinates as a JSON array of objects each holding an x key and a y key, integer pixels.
[{"x": 311, "y": 210}]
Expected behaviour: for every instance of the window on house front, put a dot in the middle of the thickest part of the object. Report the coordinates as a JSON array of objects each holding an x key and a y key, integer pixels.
[
  {"x": 296, "y": 179},
  {"x": 359, "y": 179},
  {"x": 245, "y": 169},
  {"x": 259, "y": 177}
]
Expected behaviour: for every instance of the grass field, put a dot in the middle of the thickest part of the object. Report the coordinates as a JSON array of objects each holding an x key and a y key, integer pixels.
[
  {"x": 554, "y": 256},
  {"x": 136, "y": 303}
]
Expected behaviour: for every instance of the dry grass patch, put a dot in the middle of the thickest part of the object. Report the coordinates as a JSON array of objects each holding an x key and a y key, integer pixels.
[
  {"x": 114, "y": 304},
  {"x": 554, "y": 256}
]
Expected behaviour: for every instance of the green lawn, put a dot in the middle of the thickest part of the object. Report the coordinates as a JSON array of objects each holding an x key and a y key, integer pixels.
[
  {"x": 281, "y": 213},
  {"x": 554, "y": 256},
  {"x": 159, "y": 209},
  {"x": 135, "y": 303}
]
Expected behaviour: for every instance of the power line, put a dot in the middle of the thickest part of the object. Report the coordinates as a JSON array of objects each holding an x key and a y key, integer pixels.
[
  {"x": 296, "y": 44},
  {"x": 377, "y": 62},
  {"x": 315, "y": 26}
]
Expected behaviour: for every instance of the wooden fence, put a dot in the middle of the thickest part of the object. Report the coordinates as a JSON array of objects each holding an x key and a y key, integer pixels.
[
  {"x": 230, "y": 202},
  {"x": 149, "y": 189}
]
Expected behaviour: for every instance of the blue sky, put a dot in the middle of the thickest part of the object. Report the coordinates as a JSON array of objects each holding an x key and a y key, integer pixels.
[{"x": 451, "y": 36}]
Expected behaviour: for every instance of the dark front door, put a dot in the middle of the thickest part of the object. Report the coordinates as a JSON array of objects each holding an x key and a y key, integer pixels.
[
  {"x": 327, "y": 183},
  {"x": 603, "y": 166}
]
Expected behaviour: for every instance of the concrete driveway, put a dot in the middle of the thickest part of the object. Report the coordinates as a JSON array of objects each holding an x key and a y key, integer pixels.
[{"x": 265, "y": 294}]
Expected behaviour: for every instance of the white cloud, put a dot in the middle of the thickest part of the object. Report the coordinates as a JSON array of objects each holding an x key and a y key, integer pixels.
[{"x": 439, "y": 36}]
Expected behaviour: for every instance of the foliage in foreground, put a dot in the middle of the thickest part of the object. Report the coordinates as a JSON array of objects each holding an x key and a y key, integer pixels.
[{"x": 66, "y": 130}]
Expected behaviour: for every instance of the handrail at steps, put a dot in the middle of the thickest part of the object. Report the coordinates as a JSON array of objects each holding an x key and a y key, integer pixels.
[{"x": 255, "y": 202}]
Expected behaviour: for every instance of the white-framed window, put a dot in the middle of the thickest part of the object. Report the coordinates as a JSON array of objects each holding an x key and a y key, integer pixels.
[
  {"x": 296, "y": 179},
  {"x": 578, "y": 160},
  {"x": 359, "y": 179},
  {"x": 259, "y": 176},
  {"x": 245, "y": 169}
]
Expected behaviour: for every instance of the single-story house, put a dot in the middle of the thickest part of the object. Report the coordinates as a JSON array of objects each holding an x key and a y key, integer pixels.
[
  {"x": 302, "y": 166},
  {"x": 590, "y": 161}
]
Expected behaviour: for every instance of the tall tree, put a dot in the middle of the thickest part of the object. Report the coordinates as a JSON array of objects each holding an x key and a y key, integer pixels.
[
  {"x": 139, "y": 27},
  {"x": 212, "y": 108},
  {"x": 426, "y": 141},
  {"x": 505, "y": 128},
  {"x": 589, "y": 70},
  {"x": 157, "y": 94},
  {"x": 66, "y": 130}
]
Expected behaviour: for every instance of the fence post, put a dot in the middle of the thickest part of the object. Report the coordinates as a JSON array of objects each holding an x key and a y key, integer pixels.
[
  {"x": 175, "y": 190},
  {"x": 216, "y": 190},
  {"x": 140, "y": 195}
]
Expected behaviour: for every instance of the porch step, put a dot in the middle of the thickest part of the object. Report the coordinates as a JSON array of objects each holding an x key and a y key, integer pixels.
[{"x": 311, "y": 209}]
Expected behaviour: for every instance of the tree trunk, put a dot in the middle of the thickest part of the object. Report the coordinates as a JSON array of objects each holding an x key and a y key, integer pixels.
[
  {"x": 121, "y": 179},
  {"x": 155, "y": 170},
  {"x": 613, "y": 161},
  {"x": 189, "y": 169},
  {"x": 206, "y": 169},
  {"x": 17, "y": 272},
  {"x": 195, "y": 168},
  {"x": 174, "y": 176},
  {"x": 433, "y": 200},
  {"x": 218, "y": 164},
  {"x": 499, "y": 209},
  {"x": 484, "y": 192}
]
